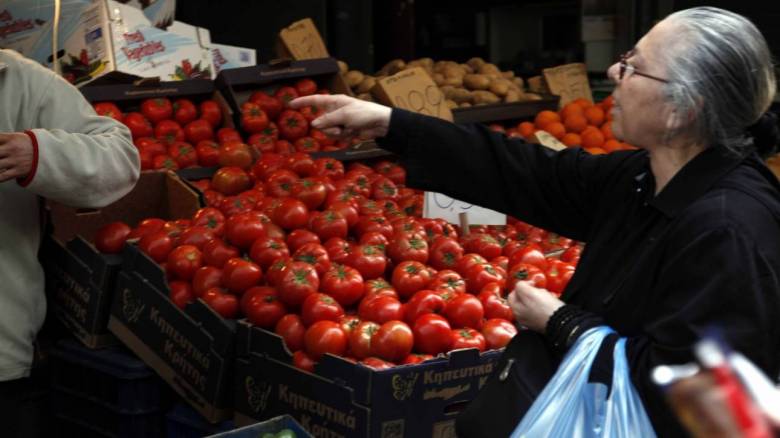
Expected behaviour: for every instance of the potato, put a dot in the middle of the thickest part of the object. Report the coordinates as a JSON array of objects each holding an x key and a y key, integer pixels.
[
  {"x": 467, "y": 68},
  {"x": 343, "y": 67},
  {"x": 439, "y": 66},
  {"x": 508, "y": 74},
  {"x": 533, "y": 96},
  {"x": 484, "y": 97},
  {"x": 476, "y": 82},
  {"x": 366, "y": 86},
  {"x": 464, "y": 105},
  {"x": 446, "y": 90},
  {"x": 353, "y": 78},
  {"x": 519, "y": 82},
  {"x": 451, "y": 104},
  {"x": 438, "y": 78},
  {"x": 392, "y": 67},
  {"x": 488, "y": 69},
  {"x": 461, "y": 95},
  {"x": 455, "y": 81},
  {"x": 512, "y": 96},
  {"x": 366, "y": 96},
  {"x": 427, "y": 63},
  {"x": 476, "y": 62},
  {"x": 453, "y": 71},
  {"x": 499, "y": 87}
]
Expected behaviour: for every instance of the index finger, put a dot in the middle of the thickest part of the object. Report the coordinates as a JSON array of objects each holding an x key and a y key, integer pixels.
[{"x": 325, "y": 101}]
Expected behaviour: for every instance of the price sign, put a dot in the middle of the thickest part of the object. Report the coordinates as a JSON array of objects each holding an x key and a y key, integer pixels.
[
  {"x": 436, "y": 205},
  {"x": 302, "y": 40},
  {"x": 569, "y": 81},
  {"x": 413, "y": 90},
  {"x": 544, "y": 138}
]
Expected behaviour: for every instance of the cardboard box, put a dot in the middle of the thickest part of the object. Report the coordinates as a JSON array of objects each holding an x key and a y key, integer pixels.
[
  {"x": 221, "y": 57},
  {"x": 103, "y": 37},
  {"x": 191, "y": 349},
  {"x": 79, "y": 279},
  {"x": 349, "y": 400},
  {"x": 239, "y": 83}
]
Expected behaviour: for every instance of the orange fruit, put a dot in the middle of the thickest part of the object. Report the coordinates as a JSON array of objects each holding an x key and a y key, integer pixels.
[
  {"x": 606, "y": 129},
  {"x": 526, "y": 129},
  {"x": 545, "y": 117},
  {"x": 570, "y": 109},
  {"x": 571, "y": 139},
  {"x": 595, "y": 115},
  {"x": 612, "y": 145},
  {"x": 585, "y": 103},
  {"x": 592, "y": 139},
  {"x": 556, "y": 129},
  {"x": 575, "y": 123},
  {"x": 596, "y": 151},
  {"x": 607, "y": 103}
]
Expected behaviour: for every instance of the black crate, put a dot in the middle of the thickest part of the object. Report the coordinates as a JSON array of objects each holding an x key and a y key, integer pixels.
[
  {"x": 184, "y": 422},
  {"x": 78, "y": 417}
]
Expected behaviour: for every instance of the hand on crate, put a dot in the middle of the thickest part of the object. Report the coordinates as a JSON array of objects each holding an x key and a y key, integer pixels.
[
  {"x": 533, "y": 306},
  {"x": 16, "y": 155},
  {"x": 346, "y": 116}
]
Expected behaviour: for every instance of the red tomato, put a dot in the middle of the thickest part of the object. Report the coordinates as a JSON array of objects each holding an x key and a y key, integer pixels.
[
  {"x": 216, "y": 253},
  {"x": 146, "y": 226},
  {"x": 196, "y": 236},
  {"x": 467, "y": 338},
  {"x": 226, "y": 305},
  {"x": 156, "y": 245},
  {"x": 558, "y": 275},
  {"x": 416, "y": 358},
  {"x": 291, "y": 214},
  {"x": 266, "y": 250},
  {"x": 261, "y": 143},
  {"x": 421, "y": 303},
  {"x": 300, "y": 237},
  {"x": 393, "y": 341},
  {"x": 483, "y": 244},
  {"x": 111, "y": 238},
  {"x": 198, "y": 130},
  {"x": 494, "y": 304},
  {"x": 210, "y": 218},
  {"x": 325, "y": 337},
  {"x": 329, "y": 167},
  {"x": 349, "y": 323},
  {"x": 409, "y": 277},
  {"x": 164, "y": 162},
  {"x": 553, "y": 242},
  {"x": 271, "y": 105},
  {"x": 306, "y": 87},
  {"x": 498, "y": 332},
  {"x": 225, "y": 135},
  {"x": 292, "y": 125},
  {"x": 208, "y": 153},
  {"x": 347, "y": 209},
  {"x": 230, "y": 181},
  {"x": 302, "y": 164},
  {"x": 320, "y": 307},
  {"x": 243, "y": 229},
  {"x": 467, "y": 261},
  {"x": 286, "y": 94},
  {"x": 432, "y": 334},
  {"x": 184, "y": 111},
  {"x": 369, "y": 260},
  {"x": 448, "y": 281},
  {"x": 375, "y": 238},
  {"x": 464, "y": 311},
  {"x": 531, "y": 255},
  {"x": 380, "y": 309},
  {"x": 392, "y": 171},
  {"x": 572, "y": 254},
  {"x": 315, "y": 255},
  {"x": 183, "y": 153},
  {"x": 360, "y": 339},
  {"x": 525, "y": 272},
  {"x": 180, "y": 293},
  {"x": 235, "y": 154},
  {"x": 205, "y": 278},
  {"x": 109, "y": 109},
  {"x": 139, "y": 125},
  {"x": 262, "y": 307},
  {"x": 238, "y": 275},
  {"x": 302, "y": 361},
  {"x": 210, "y": 111},
  {"x": 253, "y": 118},
  {"x": 310, "y": 191},
  {"x": 306, "y": 144},
  {"x": 157, "y": 109},
  {"x": 377, "y": 363},
  {"x": 478, "y": 276},
  {"x": 383, "y": 189},
  {"x": 379, "y": 286},
  {"x": 168, "y": 131},
  {"x": 408, "y": 247},
  {"x": 328, "y": 224},
  {"x": 292, "y": 330},
  {"x": 343, "y": 283},
  {"x": 377, "y": 223},
  {"x": 297, "y": 282}
]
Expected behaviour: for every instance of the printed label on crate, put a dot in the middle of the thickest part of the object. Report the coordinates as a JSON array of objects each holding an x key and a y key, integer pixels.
[
  {"x": 546, "y": 139},
  {"x": 569, "y": 81},
  {"x": 303, "y": 41},
  {"x": 224, "y": 57},
  {"x": 437, "y": 205},
  {"x": 413, "y": 90}
]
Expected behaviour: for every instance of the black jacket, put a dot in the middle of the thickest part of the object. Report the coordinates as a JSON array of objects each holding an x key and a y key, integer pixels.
[{"x": 659, "y": 270}]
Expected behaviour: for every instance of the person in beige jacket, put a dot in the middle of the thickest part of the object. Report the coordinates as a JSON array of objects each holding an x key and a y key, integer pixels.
[{"x": 54, "y": 146}]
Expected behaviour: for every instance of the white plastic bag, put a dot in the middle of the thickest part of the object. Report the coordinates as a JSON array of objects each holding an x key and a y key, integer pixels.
[{"x": 570, "y": 406}]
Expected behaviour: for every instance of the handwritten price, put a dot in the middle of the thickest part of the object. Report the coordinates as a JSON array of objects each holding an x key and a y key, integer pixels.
[
  {"x": 428, "y": 102},
  {"x": 437, "y": 205}
]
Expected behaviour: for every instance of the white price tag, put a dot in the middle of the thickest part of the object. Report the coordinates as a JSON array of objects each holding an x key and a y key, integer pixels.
[{"x": 441, "y": 206}]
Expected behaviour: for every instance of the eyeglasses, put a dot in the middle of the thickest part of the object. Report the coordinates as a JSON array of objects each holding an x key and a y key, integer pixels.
[{"x": 627, "y": 69}]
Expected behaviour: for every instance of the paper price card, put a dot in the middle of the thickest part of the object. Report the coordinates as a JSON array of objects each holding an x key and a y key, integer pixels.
[
  {"x": 569, "y": 81},
  {"x": 303, "y": 41},
  {"x": 413, "y": 90},
  {"x": 437, "y": 205},
  {"x": 546, "y": 139}
]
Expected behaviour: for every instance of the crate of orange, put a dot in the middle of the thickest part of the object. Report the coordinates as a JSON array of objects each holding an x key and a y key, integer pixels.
[{"x": 501, "y": 112}]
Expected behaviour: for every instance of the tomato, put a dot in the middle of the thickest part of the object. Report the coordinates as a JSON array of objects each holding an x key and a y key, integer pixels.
[
  {"x": 146, "y": 226},
  {"x": 180, "y": 292},
  {"x": 306, "y": 144},
  {"x": 498, "y": 332},
  {"x": 531, "y": 255},
  {"x": 349, "y": 323},
  {"x": 558, "y": 275},
  {"x": 369, "y": 207},
  {"x": 421, "y": 303},
  {"x": 243, "y": 229},
  {"x": 375, "y": 238},
  {"x": 338, "y": 249},
  {"x": 306, "y": 87},
  {"x": 483, "y": 244},
  {"x": 328, "y": 224},
  {"x": 292, "y": 125},
  {"x": 225, "y": 135},
  {"x": 383, "y": 188},
  {"x": 184, "y": 111},
  {"x": 380, "y": 309},
  {"x": 266, "y": 250},
  {"x": 168, "y": 131},
  {"x": 183, "y": 153},
  {"x": 297, "y": 282},
  {"x": 320, "y": 307},
  {"x": 157, "y": 109},
  {"x": 164, "y": 162},
  {"x": 235, "y": 154},
  {"x": 211, "y": 219},
  {"x": 302, "y": 361},
  {"x": 198, "y": 130},
  {"x": 329, "y": 167},
  {"x": 205, "y": 278},
  {"x": 343, "y": 283},
  {"x": 467, "y": 338},
  {"x": 302, "y": 164},
  {"x": 212, "y": 197},
  {"x": 261, "y": 143},
  {"x": 286, "y": 94},
  {"x": 298, "y": 238},
  {"x": 445, "y": 253},
  {"x": 416, "y": 358},
  {"x": 377, "y": 363},
  {"x": 525, "y": 272},
  {"x": 325, "y": 337},
  {"x": 292, "y": 330},
  {"x": 156, "y": 245},
  {"x": 378, "y": 286},
  {"x": 320, "y": 136},
  {"x": 393, "y": 341},
  {"x": 271, "y": 105},
  {"x": 379, "y": 224},
  {"x": 291, "y": 214},
  {"x": 408, "y": 225},
  {"x": 392, "y": 171},
  {"x": 196, "y": 236},
  {"x": 211, "y": 112},
  {"x": 553, "y": 242},
  {"x": 360, "y": 339},
  {"x": 346, "y": 209},
  {"x": 315, "y": 255},
  {"x": 464, "y": 310},
  {"x": 358, "y": 182},
  {"x": 369, "y": 260},
  {"x": 432, "y": 334},
  {"x": 408, "y": 247},
  {"x": 448, "y": 280},
  {"x": 310, "y": 191},
  {"x": 226, "y": 305},
  {"x": 253, "y": 118},
  {"x": 111, "y": 238},
  {"x": 280, "y": 183},
  {"x": 230, "y": 181},
  {"x": 139, "y": 125},
  {"x": 208, "y": 153},
  {"x": 409, "y": 277},
  {"x": 262, "y": 307},
  {"x": 572, "y": 254},
  {"x": 467, "y": 261},
  {"x": 494, "y": 304},
  {"x": 238, "y": 275}
]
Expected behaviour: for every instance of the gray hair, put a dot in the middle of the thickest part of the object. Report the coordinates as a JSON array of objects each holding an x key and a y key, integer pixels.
[{"x": 721, "y": 73}]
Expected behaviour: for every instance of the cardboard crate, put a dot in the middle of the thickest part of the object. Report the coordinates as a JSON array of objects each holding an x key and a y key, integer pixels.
[
  {"x": 238, "y": 84},
  {"x": 80, "y": 280},
  {"x": 350, "y": 400},
  {"x": 499, "y": 112},
  {"x": 191, "y": 349},
  {"x": 272, "y": 426}
]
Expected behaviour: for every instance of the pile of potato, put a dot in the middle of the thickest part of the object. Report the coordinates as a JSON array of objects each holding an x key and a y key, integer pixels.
[{"x": 475, "y": 82}]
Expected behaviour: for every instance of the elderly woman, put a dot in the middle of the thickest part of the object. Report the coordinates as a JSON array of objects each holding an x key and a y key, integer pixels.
[{"x": 682, "y": 235}]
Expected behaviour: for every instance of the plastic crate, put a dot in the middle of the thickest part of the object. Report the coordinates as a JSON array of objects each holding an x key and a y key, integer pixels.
[
  {"x": 185, "y": 422},
  {"x": 273, "y": 425},
  {"x": 80, "y": 417},
  {"x": 112, "y": 377}
]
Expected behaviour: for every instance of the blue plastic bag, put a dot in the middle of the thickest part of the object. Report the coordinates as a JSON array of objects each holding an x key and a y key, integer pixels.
[{"x": 570, "y": 406}]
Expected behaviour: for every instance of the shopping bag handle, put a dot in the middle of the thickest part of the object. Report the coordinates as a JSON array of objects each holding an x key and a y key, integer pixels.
[{"x": 604, "y": 363}]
